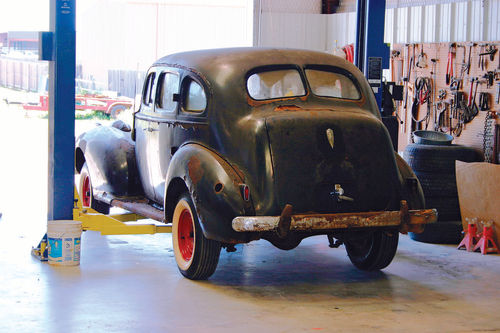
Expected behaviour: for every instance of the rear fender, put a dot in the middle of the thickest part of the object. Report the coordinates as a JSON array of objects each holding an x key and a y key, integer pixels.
[
  {"x": 411, "y": 189},
  {"x": 215, "y": 187},
  {"x": 110, "y": 157}
]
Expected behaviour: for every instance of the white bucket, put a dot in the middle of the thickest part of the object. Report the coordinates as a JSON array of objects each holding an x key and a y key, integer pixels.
[{"x": 64, "y": 238}]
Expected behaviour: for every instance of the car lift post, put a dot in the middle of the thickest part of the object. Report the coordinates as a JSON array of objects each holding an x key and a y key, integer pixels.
[
  {"x": 58, "y": 47},
  {"x": 371, "y": 54},
  {"x": 62, "y": 110}
]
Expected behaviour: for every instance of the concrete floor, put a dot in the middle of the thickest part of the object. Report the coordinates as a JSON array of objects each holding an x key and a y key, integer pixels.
[{"x": 131, "y": 283}]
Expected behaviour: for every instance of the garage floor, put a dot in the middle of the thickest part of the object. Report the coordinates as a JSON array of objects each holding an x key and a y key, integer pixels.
[{"x": 131, "y": 283}]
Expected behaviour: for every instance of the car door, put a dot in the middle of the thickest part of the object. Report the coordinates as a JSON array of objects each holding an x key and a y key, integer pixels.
[
  {"x": 142, "y": 130},
  {"x": 160, "y": 141}
]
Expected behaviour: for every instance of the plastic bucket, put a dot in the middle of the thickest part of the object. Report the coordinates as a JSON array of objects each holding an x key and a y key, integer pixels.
[{"x": 64, "y": 238}]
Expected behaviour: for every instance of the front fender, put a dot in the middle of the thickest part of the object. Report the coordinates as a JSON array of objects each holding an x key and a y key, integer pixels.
[
  {"x": 110, "y": 157},
  {"x": 215, "y": 187}
]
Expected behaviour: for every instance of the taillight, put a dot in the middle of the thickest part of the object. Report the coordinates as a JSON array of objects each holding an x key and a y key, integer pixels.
[{"x": 245, "y": 192}]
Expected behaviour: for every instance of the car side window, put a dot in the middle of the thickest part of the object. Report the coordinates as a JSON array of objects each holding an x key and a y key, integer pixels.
[
  {"x": 195, "y": 99},
  {"x": 168, "y": 91},
  {"x": 147, "y": 95}
]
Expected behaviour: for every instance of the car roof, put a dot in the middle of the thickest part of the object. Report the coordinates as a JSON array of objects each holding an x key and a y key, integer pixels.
[{"x": 211, "y": 63}]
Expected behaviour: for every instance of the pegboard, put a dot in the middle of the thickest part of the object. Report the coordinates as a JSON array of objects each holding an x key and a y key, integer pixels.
[{"x": 472, "y": 133}]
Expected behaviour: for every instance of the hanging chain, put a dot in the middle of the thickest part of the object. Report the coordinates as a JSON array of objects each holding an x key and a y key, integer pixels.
[{"x": 488, "y": 136}]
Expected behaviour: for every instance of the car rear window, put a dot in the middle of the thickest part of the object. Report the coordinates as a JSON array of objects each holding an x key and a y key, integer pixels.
[
  {"x": 332, "y": 84},
  {"x": 275, "y": 84}
]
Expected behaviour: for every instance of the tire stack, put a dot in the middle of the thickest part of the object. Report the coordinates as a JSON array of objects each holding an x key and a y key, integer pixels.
[{"x": 434, "y": 166}]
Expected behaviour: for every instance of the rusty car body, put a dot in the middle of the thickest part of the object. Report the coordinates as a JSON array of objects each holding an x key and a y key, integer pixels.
[{"x": 235, "y": 145}]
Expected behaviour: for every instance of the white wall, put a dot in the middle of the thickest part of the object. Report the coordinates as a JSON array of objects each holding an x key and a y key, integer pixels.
[
  {"x": 433, "y": 21},
  {"x": 131, "y": 35}
]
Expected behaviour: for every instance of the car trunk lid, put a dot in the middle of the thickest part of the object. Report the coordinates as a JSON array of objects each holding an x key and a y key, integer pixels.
[{"x": 331, "y": 161}]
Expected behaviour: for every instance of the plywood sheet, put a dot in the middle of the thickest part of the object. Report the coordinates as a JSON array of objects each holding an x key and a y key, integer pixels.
[{"x": 478, "y": 187}]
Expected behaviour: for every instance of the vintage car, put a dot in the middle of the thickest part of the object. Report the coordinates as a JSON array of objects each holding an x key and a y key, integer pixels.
[{"x": 235, "y": 145}]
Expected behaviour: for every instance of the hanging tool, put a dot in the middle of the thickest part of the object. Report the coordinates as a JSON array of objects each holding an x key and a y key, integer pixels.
[
  {"x": 480, "y": 64},
  {"x": 484, "y": 101},
  {"x": 433, "y": 91},
  {"x": 422, "y": 96},
  {"x": 459, "y": 112},
  {"x": 463, "y": 65},
  {"x": 474, "y": 109},
  {"x": 498, "y": 92},
  {"x": 490, "y": 50},
  {"x": 443, "y": 123},
  {"x": 471, "y": 93},
  {"x": 488, "y": 135},
  {"x": 470, "y": 54},
  {"x": 490, "y": 77},
  {"x": 407, "y": 78},
  {"x": 449, "y": 65},
  {"x": 422, "y": 58}
]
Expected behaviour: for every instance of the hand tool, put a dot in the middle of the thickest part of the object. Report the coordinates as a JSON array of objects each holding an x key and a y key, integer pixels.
[
  {"x": 470, "y": 53},
  {"x": 422, "y": 58},
  {"x": 449, "y": 65},
  {"x": 474, "y": 108},
  {"x": 484, "y": 101},
  {"x": 471, "y": 92}
]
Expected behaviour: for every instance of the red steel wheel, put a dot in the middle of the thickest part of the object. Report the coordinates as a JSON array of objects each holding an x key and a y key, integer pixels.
[
  {"x": 186, "y": 235},
  {"x": 196, "y": 256},
  {"x": 86, "y": 193}
]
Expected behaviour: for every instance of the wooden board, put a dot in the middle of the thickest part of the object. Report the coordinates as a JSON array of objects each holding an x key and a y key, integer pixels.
[{"x": 478, "y": 187}]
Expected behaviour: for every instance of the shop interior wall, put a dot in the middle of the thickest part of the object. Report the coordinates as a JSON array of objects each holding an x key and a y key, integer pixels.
[{"x": 473, "y": 133}]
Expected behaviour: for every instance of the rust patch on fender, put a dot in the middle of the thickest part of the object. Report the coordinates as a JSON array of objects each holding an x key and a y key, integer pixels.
[{"x": 195, "y": 170}]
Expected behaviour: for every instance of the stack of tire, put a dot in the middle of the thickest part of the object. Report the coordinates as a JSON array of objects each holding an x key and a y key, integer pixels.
[{"x": 434, "y": 166}]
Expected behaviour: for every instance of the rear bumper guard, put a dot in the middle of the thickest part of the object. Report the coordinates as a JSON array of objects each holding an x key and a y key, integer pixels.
[{"x": 407, "y": 220}]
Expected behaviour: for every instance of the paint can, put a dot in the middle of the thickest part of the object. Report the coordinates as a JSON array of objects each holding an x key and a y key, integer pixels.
[{"x": 64, "y": 238}]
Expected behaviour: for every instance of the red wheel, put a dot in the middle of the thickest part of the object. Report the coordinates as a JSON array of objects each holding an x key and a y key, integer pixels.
[
  {"x": 86, "y": 193},
  {"x": 185, "y": 234},
  {"x": 196, "y": 256}
]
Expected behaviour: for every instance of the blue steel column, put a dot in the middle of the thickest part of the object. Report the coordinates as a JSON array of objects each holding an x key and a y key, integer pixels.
[
  {"x": 61, "y": 111},
  {"x": 370, "y": 39}
]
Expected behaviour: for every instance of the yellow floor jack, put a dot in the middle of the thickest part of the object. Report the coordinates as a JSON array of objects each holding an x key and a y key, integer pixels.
[{"x": 125, "y": 223}]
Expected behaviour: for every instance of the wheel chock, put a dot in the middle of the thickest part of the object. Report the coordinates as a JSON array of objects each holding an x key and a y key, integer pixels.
[
  {"x": 486, "y": 244},
  {"x": 471, "y": 237}
]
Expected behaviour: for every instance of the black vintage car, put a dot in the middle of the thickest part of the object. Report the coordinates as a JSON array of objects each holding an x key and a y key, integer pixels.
[{"x": 235, "y": 145}]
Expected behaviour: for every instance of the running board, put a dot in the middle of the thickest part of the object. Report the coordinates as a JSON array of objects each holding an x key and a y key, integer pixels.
[{"x": 141, "y": 208}]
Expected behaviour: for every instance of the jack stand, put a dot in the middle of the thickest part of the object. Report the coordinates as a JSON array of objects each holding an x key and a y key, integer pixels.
[
  {"x": 40, "y": 252},
  {"x": 486, "y": 244},
  {"x": 470, "y": 237}
]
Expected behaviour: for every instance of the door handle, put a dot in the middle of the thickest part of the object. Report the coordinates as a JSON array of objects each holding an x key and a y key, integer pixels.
[{"x": 152, "y": 129}]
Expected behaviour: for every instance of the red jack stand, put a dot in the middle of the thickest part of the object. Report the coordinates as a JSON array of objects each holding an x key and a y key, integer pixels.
[
  {"x": 486, "y": 243},
  {"x": 470, "y": 237}
]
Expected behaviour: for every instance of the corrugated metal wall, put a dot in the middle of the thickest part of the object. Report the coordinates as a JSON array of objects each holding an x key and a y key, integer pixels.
[{"x": 431, "y": 22}]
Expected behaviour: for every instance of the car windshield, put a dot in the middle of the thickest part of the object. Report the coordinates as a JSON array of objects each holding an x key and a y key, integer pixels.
[
  {"x": 275, "y": 84},
  {"x": 332, "y": 84}
]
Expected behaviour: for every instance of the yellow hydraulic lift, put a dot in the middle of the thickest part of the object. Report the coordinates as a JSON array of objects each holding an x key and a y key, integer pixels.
[{"x": 113, "y": 224}]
